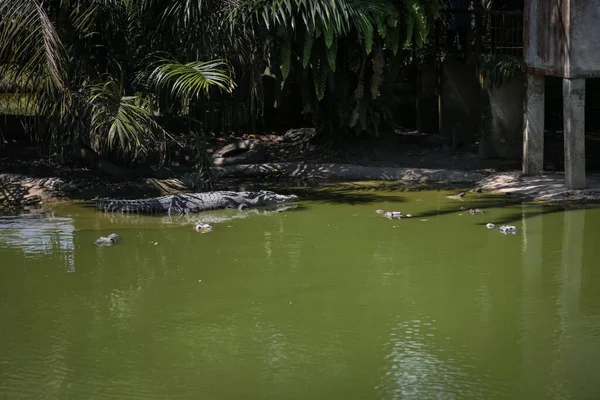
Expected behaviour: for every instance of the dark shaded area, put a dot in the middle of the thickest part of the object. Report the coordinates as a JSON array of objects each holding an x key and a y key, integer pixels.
[
  {"x": 353, "y": 194},
  {"x": 345, "y": 196},
  {"x": 554, "y": 135},
  {"x": 486, "y": 202}
]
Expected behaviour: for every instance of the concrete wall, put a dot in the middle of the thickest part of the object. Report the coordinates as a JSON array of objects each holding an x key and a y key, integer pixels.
[
  {"x": 502, "y": 120},
  {"x": 585, "y": 38},
  {"x": 492, "y": 115},
  {"x": 427, "y": 101},
  {"x": 545, "y": 24},
  {"x": 460, "y": 102},
  {"x": 561, "y": 37}
]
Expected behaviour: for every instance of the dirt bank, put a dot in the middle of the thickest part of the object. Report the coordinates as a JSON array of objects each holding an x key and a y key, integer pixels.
[
  {"x": 409, "y": 158},
  {"x": 549, "y": 187}
]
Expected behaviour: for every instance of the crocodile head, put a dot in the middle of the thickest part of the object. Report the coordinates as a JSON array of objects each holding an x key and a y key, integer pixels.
[
  {"x": 107, "y": 241},
  {"x": 278, "y": 198},
  {"x": 267, "y": 197}
]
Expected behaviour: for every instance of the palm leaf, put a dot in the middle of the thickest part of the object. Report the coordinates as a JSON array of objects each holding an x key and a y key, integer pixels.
[
  {"x": 332, "y": 54},
  {"x": 320, "y": 74},
  {"x": 308, "y": 44},
  {"x": 191, "y": 79},
  {"x": 286, "y": 57},
  {"x": 30, "y": 42},
  {"x": 122, "y": 120}
]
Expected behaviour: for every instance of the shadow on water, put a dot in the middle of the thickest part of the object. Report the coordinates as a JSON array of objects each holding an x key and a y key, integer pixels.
[
  {"x": 358, "y": 193},
  {"x": 546, "y": 209},
  {"x": 487, "y": 202},
  {"x": 347, "y": 196}
]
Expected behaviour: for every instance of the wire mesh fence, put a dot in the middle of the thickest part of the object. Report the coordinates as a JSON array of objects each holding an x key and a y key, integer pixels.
[{"x": 474, "y": 32}]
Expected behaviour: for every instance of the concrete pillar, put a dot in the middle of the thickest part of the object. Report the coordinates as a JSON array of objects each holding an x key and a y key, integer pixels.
[
  {"x": 574, "y": 127},
  {"x": 533, "y": 126}
]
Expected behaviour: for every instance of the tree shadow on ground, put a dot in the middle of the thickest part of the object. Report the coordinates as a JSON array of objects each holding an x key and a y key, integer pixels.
[{"x": 398, "y": 186}]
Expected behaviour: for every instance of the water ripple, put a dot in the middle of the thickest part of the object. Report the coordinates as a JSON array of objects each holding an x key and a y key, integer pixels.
[
  {"x": 38, "y": 235},
  {"x": 415, "y": 368}
]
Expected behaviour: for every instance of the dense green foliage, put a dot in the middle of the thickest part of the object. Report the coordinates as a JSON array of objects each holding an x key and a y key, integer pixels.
[
  {"x": 342, "y": 55},
  {"x": 109, "y": 73},
  {"x": 499, "y": 69}
]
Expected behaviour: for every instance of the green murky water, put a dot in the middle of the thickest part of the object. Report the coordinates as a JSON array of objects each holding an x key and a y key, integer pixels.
[{"x": 328, "y": 301}]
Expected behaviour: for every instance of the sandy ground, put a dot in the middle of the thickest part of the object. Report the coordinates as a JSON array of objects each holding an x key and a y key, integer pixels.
[{"x": 548, "y": 187}]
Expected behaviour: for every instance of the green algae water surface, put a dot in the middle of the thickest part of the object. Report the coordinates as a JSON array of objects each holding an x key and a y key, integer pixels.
[{"x": 326, "y": 301}]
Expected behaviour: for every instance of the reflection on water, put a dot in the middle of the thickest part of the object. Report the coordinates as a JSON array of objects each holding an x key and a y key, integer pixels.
[
  {"x": 210, "y": 217},
  {"x": 415, "y": 369},
  {"x": 38, "y": 235},
  {"x": 324, "y": 301}
]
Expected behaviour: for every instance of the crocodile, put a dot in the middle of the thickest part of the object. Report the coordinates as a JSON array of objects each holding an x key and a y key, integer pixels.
[
  {"x": 457, "y": 196},
  {"x": 506, "y": 229},
  {"x": 107, "y": 241},
  {"x": 203, "y": 228},
  {"x": 393, "y": 214},
  {"x": 191, "y": 203}
]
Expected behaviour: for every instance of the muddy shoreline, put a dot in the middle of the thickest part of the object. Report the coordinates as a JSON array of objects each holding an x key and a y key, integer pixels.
[
  {"x": 34, "y": 191},
  {"x": 33, "y": 180}
]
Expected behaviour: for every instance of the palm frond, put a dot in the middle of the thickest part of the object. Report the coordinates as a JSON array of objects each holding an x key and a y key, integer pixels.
[
  {"x": 118, "y": 119},
  {"x": 30, "y": 43},
  {"x": 185, "y": 81}
]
